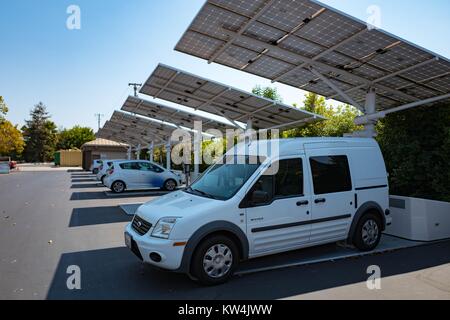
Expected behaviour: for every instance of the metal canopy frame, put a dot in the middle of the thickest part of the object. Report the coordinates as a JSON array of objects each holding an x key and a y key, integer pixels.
[
  {"x": 235, "y": 105},
  {"x": 311, "y": 46},
  {"x": 171, "y": 115}
]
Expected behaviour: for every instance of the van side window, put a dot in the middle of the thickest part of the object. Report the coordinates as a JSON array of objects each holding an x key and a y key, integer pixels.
[
  {"x": 331, "y": 174},
  {"x": 289, "y": 179},
  {"x": 284, "y": 183}
]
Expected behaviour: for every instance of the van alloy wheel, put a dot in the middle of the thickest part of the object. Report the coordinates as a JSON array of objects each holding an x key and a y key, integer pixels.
[
  {"x": 370, "y": 232},
  {"x": 217, "y": 261}
]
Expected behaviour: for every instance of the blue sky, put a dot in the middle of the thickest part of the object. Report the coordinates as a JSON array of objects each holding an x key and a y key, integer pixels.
[{"x": 78, "y": 73}]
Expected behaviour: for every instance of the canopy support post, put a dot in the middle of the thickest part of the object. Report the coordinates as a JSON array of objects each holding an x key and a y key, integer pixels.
[
  {"x": 138, "y": 152},
  {"x": 129, "y": 153},
  {"x": 150, "y": 151},
  {"x": 168, "y": 154},
  {"x": 197, "y": 155},
  {"x": 370, "y": 108}
]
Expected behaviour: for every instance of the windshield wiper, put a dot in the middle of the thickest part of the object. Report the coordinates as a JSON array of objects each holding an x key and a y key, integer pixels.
[{"x": 190, "y": 190}]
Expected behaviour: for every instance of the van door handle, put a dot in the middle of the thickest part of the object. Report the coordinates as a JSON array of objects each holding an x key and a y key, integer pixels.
[
  {"x": 302, "y": 203},
  {"x": 321, "y": 200}
]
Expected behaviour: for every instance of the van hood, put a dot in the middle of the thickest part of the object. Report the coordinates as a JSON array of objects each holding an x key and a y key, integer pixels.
[{"x": 177, "y": 204}]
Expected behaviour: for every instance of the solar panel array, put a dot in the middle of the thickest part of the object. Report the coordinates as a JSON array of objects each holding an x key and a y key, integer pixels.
[
  {"x": 167, "y": 114},
  {"x": 112, "y": 132},
  {"x": 136, "y": 129},
  {"x": 283, "y": 39},
  {"x": 180, "y": 87}
]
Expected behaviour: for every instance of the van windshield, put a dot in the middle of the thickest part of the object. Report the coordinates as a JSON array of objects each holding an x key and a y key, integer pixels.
[{"x": 224, "y": 179}]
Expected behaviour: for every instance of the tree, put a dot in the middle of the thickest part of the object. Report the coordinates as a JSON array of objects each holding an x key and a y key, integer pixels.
[
  {"x": 3, "y": 109},
  {"x": 11, "y": 139},
  {"x": 339, "y": 121},
  {"x": 267, "y": 92},
  {"x": 74, "y": 138},
  {"x": 40, "y": 135},
  {"x": 416, "y": 148}
]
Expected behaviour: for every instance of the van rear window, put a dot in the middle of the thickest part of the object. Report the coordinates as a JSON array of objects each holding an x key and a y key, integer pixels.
[{"x": 331, "y": 174}]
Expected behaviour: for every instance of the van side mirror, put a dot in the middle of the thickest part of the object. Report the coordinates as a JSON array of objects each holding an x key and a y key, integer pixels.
[{"x": 259, "y": 197}]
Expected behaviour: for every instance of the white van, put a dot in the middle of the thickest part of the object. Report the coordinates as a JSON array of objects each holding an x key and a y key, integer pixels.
[{"x": 311, "y": 192}]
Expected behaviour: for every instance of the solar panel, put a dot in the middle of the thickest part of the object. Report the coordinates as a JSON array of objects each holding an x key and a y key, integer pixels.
[
  {"x": 184, "y": 88},
  {"x": 168, "y": 114},
  {"x": 147, "y": 129},
  {"x": 112, "y": 133},
  {"x": 282, "y": 40}
]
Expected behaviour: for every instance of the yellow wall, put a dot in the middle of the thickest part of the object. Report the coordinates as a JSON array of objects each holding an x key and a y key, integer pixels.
[{"x": 71, "y": 158}]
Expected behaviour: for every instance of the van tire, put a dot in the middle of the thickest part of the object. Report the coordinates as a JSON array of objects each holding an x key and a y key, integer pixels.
[
  {"x": 170, "y": 185},
  {"x": 368, "y": 232},
  {"x": 221, "y": 245},
  {"x": 118, "y": 186}
]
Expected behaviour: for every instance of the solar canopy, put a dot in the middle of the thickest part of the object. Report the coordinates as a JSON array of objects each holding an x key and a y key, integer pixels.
[
  {"x": 110, "y": 132},
  {"x": 308, "y": 45},
  {"x": 180, "y": 87},
  {"x": 140, "y": 130},
  {"x": 168, "y": 114}
]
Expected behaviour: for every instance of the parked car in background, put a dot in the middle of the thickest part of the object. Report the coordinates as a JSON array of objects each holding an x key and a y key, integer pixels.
[
  {"x": 12, "y": 165},
  {"x": 95, "y": 166},
  {"x": 102, "y": 170},
  {"x": 139, "y": 175},
  {"x": 311, "y": 192}
]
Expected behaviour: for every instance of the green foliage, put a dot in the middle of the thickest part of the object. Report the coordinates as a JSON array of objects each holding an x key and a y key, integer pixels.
[
  {"x": 267, "y": 92},
  {"x": 11, "y": 140},
  {"x": 339, "y": 121},
  {"x": 40, "y": 135},
  {"x": 3, "y": 109},
  {"x": 74, "y": 138},
  {"x": 416, "y": 147}
]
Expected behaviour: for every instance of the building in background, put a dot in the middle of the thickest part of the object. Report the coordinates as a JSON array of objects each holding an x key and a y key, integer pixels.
[{"x": 102, "y": 149}]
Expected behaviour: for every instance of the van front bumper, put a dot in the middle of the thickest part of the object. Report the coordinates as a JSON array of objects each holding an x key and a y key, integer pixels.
[{"x": 155, "y": 251}]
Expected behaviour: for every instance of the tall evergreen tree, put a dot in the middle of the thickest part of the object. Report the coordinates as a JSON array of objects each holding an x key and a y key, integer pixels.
[{"x": 40, "y": 135}]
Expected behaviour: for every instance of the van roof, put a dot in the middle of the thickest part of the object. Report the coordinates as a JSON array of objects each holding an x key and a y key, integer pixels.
[{"x": 294, "y": 146}]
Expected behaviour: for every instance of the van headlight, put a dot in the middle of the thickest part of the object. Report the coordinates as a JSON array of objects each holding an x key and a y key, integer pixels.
[{"x": 164, "y": 227}]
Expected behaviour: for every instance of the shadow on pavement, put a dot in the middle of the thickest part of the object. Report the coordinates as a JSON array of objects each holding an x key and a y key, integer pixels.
[
  {"x": 87, "y": 179},
  {"x": 85, "y": 185},
  {"x": 97, "y": 195},
  {"x": 117, "y": 274},
  {"x": 97, "y": 215}
]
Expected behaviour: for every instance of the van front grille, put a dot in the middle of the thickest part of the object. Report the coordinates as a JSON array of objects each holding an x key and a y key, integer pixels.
[{"x": 140, "y": 225}]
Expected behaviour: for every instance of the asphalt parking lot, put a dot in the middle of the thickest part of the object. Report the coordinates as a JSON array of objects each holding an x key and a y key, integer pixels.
[{"x": 52, "y": 220}]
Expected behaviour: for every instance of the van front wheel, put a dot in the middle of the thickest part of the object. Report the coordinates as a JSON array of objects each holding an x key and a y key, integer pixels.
[
  {"x": 215, "y": 260},
  {"x": 368, "y": 232}
]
